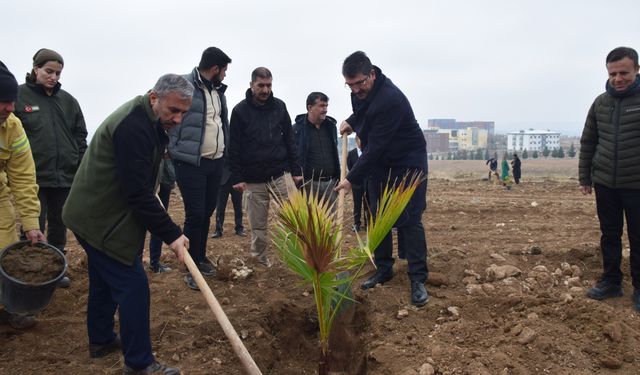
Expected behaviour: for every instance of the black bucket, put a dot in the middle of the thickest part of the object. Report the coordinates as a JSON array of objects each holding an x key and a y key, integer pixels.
[{"x": 19, "y": 297}]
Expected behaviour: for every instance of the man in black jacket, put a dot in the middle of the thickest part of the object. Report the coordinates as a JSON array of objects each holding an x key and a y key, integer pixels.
[
  {"x": 393, "y": 146},
  {"x": 317, "y": 140},
  {"x": 261, "y": 151},
  {"x": 610, "y": 162}
]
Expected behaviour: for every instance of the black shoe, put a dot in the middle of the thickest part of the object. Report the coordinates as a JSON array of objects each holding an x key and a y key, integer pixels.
[
  {"x": 380, "y": 277},
  {"x": 241, "y": 233},
  {"x": 605, "y": 289},
  {"x": 217, "y": 234},
  {"x": 17, "y": 321},
  {"x": 154, "y": 368},
  {"x": 191, "y": 283},
  {"x": 99, "y": 351},
  {"x": 636, "y": 299},
  {"x": 207, "y": 268},
  {"x": 64, "y": 282},
  {"x": 419, "y": 295},
  {"x": 159, "y": 268}
]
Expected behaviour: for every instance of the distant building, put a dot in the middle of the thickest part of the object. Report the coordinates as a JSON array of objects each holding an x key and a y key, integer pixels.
[
  {"x": 464, "y": 139},
  {"x": 450, "y": 123},
  {"x": 533, "y": 140},
  {"x": 436, "y": 142}
]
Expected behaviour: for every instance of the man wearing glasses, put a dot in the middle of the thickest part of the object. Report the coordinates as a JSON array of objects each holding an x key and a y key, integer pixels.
[{"x": 392, "y": 147}]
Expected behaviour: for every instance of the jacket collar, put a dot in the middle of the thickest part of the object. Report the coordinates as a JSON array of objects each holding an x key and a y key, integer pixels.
[
  {"x": 631, "y": 90},
  {"x": 249, "y": 96},
  {"x": 197, "y": 78},
  {"x": 31, "y": 82}
]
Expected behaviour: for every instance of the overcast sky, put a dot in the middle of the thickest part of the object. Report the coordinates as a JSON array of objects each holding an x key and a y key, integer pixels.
[{"x": 522, "y": 64}]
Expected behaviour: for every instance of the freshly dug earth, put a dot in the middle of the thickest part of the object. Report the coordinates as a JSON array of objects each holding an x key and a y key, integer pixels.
[
  {"x": 509, "y": 270},
  {"x": 32, "y": 264}
]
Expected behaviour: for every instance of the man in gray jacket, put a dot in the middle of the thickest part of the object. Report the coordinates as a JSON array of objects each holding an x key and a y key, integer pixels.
[
  {"x": 610, "y": 162},
  {"x": 197, "y": 149}
]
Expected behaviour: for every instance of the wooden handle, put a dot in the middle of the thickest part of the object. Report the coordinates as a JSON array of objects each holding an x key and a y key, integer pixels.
[
  {"x": 343, "y": 174},
  {"x": 229, "y": 331}
]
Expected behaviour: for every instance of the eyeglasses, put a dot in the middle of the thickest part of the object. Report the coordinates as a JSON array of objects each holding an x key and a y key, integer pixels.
[{"x": 357, "y": 84}]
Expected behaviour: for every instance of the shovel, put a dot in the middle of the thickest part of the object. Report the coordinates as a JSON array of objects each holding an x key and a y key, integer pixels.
[{"x": 238, "y": 347}]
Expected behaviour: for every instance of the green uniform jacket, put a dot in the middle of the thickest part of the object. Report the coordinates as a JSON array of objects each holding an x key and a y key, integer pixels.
[
  {"x": 56, "y": 130},
  {"x": 111, "y": 207},
  {"x": 610, "y": 142}
]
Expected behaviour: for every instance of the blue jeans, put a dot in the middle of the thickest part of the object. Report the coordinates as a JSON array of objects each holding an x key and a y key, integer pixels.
[
  {"x": 199, "y": 188},
  {"x": 613, "y": 206},
  {"x": 114, "y": 285}
]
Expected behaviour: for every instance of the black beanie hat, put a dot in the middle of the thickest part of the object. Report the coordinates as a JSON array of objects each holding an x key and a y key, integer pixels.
[{"x": 8, "y": 85}]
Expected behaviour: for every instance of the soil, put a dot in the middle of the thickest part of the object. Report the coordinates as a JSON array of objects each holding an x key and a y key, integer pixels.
[
  {"x": 509, "y": 270},
  {"x": 32, "y": 264}
]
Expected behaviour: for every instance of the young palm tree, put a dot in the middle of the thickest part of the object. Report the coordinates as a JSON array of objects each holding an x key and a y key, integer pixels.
[{"x": 309, "y": 240}]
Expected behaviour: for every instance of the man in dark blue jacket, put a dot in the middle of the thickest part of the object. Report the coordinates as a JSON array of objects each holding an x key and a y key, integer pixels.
[
  {"x": 393, "y": 146},
  {"x": 197, "y": 149}
]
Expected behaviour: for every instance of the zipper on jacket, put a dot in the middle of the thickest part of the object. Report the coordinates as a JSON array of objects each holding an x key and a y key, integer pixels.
[{"x": 616, "y": 126}]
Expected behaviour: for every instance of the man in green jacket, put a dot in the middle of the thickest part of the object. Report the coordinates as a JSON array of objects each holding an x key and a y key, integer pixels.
[
  {"x": 111, "y": 205},
  {"x": 55, "y": 126},
  {"x": 610, "y": 162}
]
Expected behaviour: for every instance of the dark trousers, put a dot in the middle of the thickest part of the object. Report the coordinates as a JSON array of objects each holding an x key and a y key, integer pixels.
[
  {"x": 52, "y": 200},
  {"x": 360, "y": 200},
  {"x": 612, "y": 205},
  {"x": 412, "y": 242},
  {"x": 199, "y": 188},
  {"x": 155, "y": 243},
  {"x": 113, "y": 285},
  {"x": 221, "y": 206}
]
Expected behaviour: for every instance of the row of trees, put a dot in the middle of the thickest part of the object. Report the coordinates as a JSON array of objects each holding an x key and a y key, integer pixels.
[{"x": 483, "y": 154}]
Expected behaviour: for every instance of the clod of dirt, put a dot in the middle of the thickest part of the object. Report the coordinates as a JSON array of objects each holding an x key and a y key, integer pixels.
[
  {"x": 495, "y": 272},
  {"x": 610, "y": 362},
  {"x": 402, "y": 313},
  {"x": 426, "y": 369},
  {"x": 526, "y": 336},
  {"x": 498, "y": 257},
  {"x": 437, "y": 279},
  {"x": 32, "y": 264},
  {"x": 613, "y": 331},
  {"x": 475, "y": 290}
]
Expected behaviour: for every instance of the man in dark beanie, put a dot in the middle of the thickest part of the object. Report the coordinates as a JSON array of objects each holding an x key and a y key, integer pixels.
[
  {"x": 16, "y": 162},
  {"x": 54, "y": 123}
]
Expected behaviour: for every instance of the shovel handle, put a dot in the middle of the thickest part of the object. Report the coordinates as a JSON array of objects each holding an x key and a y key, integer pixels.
[
  {"x": 238, "y": 347},
  {"x": 343, "y": 174}
]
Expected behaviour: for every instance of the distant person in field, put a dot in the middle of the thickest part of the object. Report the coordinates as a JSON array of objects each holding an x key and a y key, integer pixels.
[
  {"x": 392, "y": 147},
  {"x": 18, "y": 188},
  {"x": 198, "y": 149},
  {"x": 316, "y": 137},
  {"x": 54, "y": 123},
  {"x": 226, "y": 190},
  {"x": 111, "y": 206},
  {"x": 492, "y": 162},
  {"x": 609, "y": 162},
  {"x": 166, "y": 182},
  {"x": 359, "y": 191},
  {"x": 515, "y": 168},
  {"x": 261, "y": 150},
  {"x": 504, "y": 168}
]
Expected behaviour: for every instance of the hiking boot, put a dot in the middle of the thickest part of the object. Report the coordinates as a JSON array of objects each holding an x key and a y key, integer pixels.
[
  {"x": 65, "y": 282},
  {"x": 605, "y": 289},
  {"x": 419, "y": 295},
  {"x": 102, "y": 350},
  {"x": 217, "y": 234},
  {"x": 159, "y": 268},
  {"x": 191, "y": 283},
  {"x": 636, "y": 299},
  {"x": 207, "y": 268},
  {"x": 154, "y": 368},
  {"x": 380, "y": 277}
]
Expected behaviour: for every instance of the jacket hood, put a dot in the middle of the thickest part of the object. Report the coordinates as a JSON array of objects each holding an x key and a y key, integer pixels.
[
  {"x": 31, "y": 82},
  {"x": 631, "y": 90}
]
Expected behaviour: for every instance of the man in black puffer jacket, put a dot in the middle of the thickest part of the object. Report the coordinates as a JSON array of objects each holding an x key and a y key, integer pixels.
[
  {"x": 261, "y": 150},
  {"x": 610, "y": 161}
]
